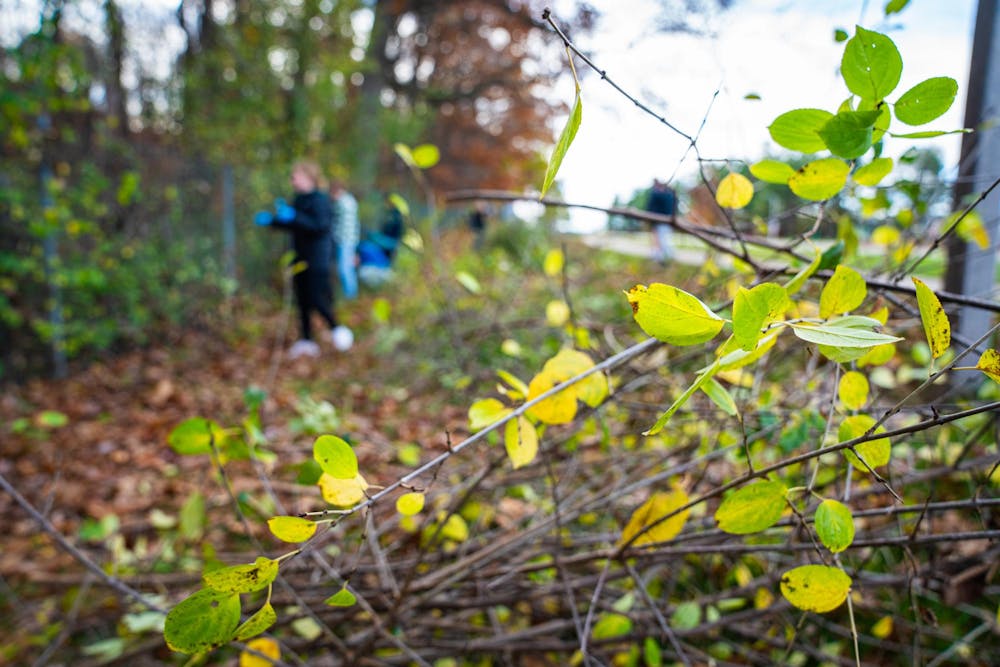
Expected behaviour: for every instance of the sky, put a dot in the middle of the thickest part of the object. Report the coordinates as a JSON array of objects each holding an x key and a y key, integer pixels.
[{"x": 781, "y": 50}]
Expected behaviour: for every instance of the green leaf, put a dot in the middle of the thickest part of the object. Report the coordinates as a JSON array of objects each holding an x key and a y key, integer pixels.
[
  {"x": 672, "y": 315},
  {"x": 194, "y": 436},
  {"x": 51, "y": 419},
  {"x": 834, "y": 336},
  {"x": 702, "y": 378},
  {"x": 405, "y": 154},
  {"x": 752, "y": 508},
  {"x": 849, "y": 133},
  {"x": 202, "y": 621},
  {"x": 645, "y": 520},
  {"x": 291, "y": 528},
  {"x": 469, "y": 282},
  {"x": 734, "y": 191},
  {"x": 871, "y": 65},
  {"x": 873, "y": 172},
  {"x": 834, "y": 525},
  {"x": 400, "y": 203},
  {"x": 487, "y": 411},
  {"x": 798, "y": 130},
  {"x": 342, "y": 598},
  {"x": 426, "y": 156},
  {"x": 840, "y": 35},
  {"x": 845, "y": 291},
  {"x": 609, "y": 626},
  {"x": 800, "y": 278},
  {"x": 853, "y": 390},
  {"x": 875, "y": 452},
  {"x": 521, "y": 442},
  {"x": 191, "y": 524},
  {"x": 926, "y": 101},
  {"x": 720, "y": 396},
  {"x": 256, "y": 624},
  {"x": 563, "y": 144},
  {"x": 335, "y": 457},
  {"x": 755, "y": 309},
  {"x": 772, "y": 171},
  {"x": 937, "y": 328},
  {"x": 686, "y": 616},
  {"x": 895, "y": 6},
  {"x": 410, "y": 503},
  {"x": 820, "y": 179},
  {"x": 817, "y": 588},
  {"x": 651, "y": 653},
  {"x": 928, "y": 134},
  {"x": 243, "y": 578}
]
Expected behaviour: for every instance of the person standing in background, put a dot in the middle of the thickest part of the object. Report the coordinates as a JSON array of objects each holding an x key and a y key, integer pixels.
[
  {"x": 308, "y": 218},
  {"x": 663, "y": 201},
  {"x": 346, "y": 234}
]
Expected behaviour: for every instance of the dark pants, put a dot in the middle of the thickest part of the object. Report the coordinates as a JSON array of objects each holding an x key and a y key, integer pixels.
[{"x": 313, "y": 292}]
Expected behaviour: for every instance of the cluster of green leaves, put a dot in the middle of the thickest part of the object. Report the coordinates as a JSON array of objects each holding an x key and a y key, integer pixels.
[{"x": 871, "y": 68}]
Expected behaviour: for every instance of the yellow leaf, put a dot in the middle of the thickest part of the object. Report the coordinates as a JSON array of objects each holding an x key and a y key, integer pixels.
[
  {"x": 485, "y": 412},
  {"x": 853, "y": 390},
  {"x": 818, "y": 588},
  {"x": 845, "y": 291},
  {"x": 455, "y": 529},
  {"x": 553, "y": 264},
  {"x": 559, "y": 408},
  {"x": 521, "y": 441},
  {"x": 937, "y": 328},
  {"x": 885, "y": 235},
  {"x": 409, "y": 504},
  {"x": 556, "y": 313},
  {"x": 342, "y": 492},
  {"x": 989, "y": 363},
  {"x": 659, "y": 505},
  {"x": 762, "y": 599},
  {"x": 883, "y": 627},
  {"x": 514, "y": 388},
  {"x": 291, "y": 528},
  {"x": 262, "y": 645},
  {"x": 875, "y": 452},
  {"x": 735, "y": 191},
  {"x": 971, "y": 229}
]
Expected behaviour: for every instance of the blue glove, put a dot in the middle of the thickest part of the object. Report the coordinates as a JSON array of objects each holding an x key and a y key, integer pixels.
[
  {"x": 263, "y": 218},
  {"x": 283, "y": 211}
]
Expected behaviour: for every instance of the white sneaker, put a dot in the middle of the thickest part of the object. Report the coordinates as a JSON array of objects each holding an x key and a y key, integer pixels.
[
  {"x": 342, "y": 337},
  {"x": 303, "y": 348}
]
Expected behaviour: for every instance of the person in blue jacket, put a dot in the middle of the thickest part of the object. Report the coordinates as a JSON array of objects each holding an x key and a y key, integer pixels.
[
  {"x": 308, "y": 218},
  {"x": 662, "y": 200}
]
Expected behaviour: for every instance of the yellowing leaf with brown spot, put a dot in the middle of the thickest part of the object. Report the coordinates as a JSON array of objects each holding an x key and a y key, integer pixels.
[
  {"x": 659, "y": 505},
  {"x": 264, "y": 646},
  {"x": 672, "y": 315},
  {"x": 342, "y": 492},
  {"x": 521, "y": 442},
  {"x": 818, "y": 588},
  {"x": 989, "y": 363},
  {"x": 734, "y": 191},
  {"x": 937, "y": 328}
]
